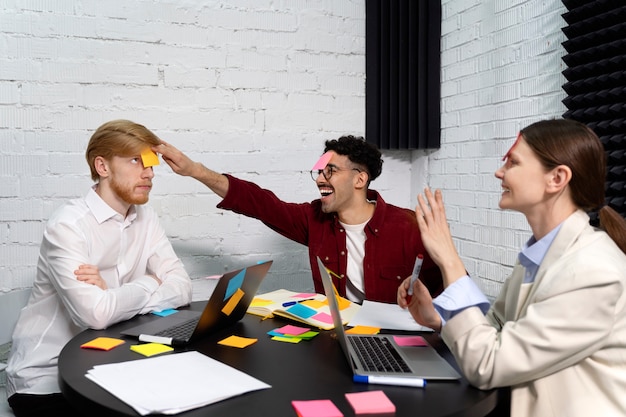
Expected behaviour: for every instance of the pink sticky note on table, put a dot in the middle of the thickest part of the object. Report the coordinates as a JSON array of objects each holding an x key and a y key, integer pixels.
[
  {"x": 410, "y": 341},
  {"x": 370, "y": 402},
  {"x": 324, "y": 317},
  {"x": 293, "y": 330},
  {"x": 323, "y": 161},
  {"x": 316, "y": 408}
]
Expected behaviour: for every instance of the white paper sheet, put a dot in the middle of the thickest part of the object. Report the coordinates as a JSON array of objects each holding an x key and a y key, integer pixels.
[
  {"x": 385, "y": 316},
  {"x": 172, "y": 383}
]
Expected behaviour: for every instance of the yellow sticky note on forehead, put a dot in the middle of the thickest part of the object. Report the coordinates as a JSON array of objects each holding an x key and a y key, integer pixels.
[{"x": 149, "y": 158}]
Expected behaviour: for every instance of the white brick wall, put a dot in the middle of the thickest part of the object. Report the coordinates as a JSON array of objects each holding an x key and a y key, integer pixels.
[
  {"x": 501, "y": 70},
  {"x": 254, "y": 88}
]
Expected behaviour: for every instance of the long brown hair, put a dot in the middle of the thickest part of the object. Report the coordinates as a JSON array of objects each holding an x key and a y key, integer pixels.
[{"x": 567, "y": 142}]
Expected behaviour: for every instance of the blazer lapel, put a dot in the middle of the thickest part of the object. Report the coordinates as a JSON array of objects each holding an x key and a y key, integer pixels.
[{"x": 569, "y": 233}]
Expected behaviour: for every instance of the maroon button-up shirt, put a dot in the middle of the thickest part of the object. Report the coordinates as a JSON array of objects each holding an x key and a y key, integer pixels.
[{"x": 392, "y": 239}]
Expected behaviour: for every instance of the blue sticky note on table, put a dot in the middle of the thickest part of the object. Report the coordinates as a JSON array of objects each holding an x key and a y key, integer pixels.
[
  {"x": 301, "y": 310},
  {"x": 164, "y": 313},
  {"x": 234, "y": 284}
]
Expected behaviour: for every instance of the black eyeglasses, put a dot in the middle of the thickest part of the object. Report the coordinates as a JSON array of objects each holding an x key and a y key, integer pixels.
[{"x": 328, "y": 172}]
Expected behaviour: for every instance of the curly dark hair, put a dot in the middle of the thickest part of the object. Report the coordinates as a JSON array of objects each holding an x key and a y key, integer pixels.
[{"x": 358, "y": 152}]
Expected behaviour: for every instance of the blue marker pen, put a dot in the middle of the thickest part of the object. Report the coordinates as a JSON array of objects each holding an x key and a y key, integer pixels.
[
  {"x": 291, "y": 303},
  {"x": 390, "y": 380}
]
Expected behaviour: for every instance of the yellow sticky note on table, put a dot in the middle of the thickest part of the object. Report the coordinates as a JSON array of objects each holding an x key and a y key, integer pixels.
[
  {"x": 237, "y": 341},
  {"x": 260, "y": 302},
  {"x": 102, "y": 343},
  {"x": 151, "y": 349},
  {"x": 149, "y": 158},
  {"x": 363, "y": 330},
  {"x": 287, "y": 339}
]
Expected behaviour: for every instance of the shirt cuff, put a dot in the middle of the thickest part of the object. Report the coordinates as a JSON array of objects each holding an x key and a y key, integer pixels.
[{"x": 462, "y": 294}]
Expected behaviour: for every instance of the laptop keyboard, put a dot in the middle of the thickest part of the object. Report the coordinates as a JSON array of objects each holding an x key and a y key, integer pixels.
[
  {"x": 377, "y": 354},
  {"x": 181, "y": 331}
]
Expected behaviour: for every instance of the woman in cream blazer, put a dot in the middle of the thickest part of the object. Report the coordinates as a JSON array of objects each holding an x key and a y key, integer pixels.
[{"x": 556, "y": 334}]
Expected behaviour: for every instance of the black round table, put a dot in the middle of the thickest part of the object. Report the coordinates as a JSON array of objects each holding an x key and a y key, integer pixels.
[{"x": 309, "y": 370}]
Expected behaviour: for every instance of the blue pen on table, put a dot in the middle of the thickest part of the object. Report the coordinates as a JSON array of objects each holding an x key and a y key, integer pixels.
[
  {"x": 390, "y": 380},
  {"x": 291, "y": 303},
  {"x": 417, "y": 267}
]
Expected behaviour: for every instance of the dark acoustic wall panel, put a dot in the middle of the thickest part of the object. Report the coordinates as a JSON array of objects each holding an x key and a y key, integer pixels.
[
  {"x": 596, "y": 82},
  {"x": 402, "y": 66}
]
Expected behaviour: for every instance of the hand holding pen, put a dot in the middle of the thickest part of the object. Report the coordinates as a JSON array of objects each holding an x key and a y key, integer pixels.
[{"x": 417, "y": 267}]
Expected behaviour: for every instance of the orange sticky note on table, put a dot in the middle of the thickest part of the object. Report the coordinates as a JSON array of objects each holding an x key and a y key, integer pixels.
[
  {"x": 149, "y": 158},
  {"x": 370, "y": 402},
  {"x": 102, "y": 343},
  {"x": 232, "y": 303},
  {"x": 237, "y": 341},
  {"x": 316, "y": 408}
]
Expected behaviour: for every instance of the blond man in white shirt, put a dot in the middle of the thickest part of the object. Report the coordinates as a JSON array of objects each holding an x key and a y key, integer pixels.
[{"x": 103, "y": 259}]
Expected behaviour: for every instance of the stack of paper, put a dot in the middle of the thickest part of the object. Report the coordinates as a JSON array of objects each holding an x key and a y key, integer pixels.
[
  {"x": 385, "y": 316},
  {"x": 173, "y": 383}
]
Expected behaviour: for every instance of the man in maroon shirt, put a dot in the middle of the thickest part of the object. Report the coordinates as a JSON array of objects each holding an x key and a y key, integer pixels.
[{"x": 370, "y": 245}]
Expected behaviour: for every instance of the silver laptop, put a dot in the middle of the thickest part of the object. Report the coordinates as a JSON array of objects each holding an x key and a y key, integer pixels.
[
  {"x": 227, "y": 305},
  {"x": 380, "y": 355}
]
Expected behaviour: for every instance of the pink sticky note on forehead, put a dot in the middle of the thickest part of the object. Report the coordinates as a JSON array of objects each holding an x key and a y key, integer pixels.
[
  {"x": 506, "y": 155},
  {"x": 323, "y": 161}
]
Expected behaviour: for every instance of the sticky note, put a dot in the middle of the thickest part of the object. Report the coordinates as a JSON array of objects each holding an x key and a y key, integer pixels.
[
  {"x": 304, "y": 295},
  {"x": 308, "y": 335},
  {"x": 410, "y": 341},
  {"x": 259, "y": 302},
  {"x": 165, "y": 313},
  {"x": 506, "y": 155},
  {"x": 314, "y": 303},
  {"x": 293, "y": 330},
  {"x": 370, "y": 402},
  {"x": 237, "y": 341},
  {"x": 151, "y": 349},
  {"x": 316, "y": 408},
  {"x": 234, "y": 284},
  {"x": 323, "y": 161},
  {"x": 323, "y": 317},
  {"x": 102, "y": 343},
  {"x": 233, "y": 302},
  {"x": 302, "y": 336},
  {"x": 149, "y": 158},
  {"x": 287, "y": 339},
  {"x": 301, "y": 310},
  {"x": 363, "y": 330}
]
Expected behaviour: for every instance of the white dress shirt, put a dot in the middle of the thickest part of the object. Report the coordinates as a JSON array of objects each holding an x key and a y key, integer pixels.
[{"x": 126, "y": 251}]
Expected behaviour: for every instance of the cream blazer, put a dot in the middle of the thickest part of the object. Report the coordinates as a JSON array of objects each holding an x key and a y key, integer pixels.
[{"x": 560, "y": 342}]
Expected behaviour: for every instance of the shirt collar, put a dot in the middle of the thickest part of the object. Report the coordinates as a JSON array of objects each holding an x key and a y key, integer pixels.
[
  {"x": 102, "y": 211},
  {"x": 535, "y": 250}
]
